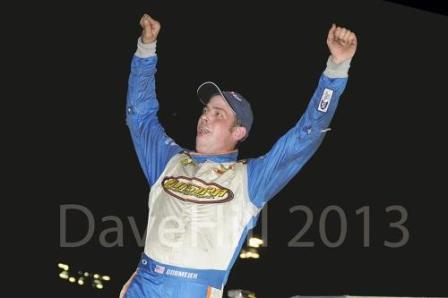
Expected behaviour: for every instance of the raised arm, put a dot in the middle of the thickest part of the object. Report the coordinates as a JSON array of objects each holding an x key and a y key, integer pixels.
[
  {"x": 269, "y": 173},
  {"x": 153, "y": 147}
]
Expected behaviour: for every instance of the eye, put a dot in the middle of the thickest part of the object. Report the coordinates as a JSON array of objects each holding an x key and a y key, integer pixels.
[{"x": 204, "y": 110}]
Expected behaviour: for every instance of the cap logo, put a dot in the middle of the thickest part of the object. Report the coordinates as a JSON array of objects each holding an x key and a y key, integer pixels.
[{"x": 236, "y": 96}]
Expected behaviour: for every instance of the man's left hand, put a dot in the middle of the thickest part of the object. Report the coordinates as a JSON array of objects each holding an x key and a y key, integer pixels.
[{"x": 342, "y": 43}]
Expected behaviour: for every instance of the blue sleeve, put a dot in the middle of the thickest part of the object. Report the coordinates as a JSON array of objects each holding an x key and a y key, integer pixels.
[
  {"x": 268, "y": 174},
  {"x": 153, "y": 147}
]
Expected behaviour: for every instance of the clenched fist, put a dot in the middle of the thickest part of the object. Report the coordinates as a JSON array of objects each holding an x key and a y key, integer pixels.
[
  {"x": 151, "y": 29},
  {"x": 342, "y": 43}
]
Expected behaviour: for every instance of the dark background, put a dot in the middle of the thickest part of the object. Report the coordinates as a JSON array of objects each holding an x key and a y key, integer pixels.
[{"x": 386, "y": 147}]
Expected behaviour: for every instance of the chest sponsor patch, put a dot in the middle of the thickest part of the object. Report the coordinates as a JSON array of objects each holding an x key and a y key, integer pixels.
[
  {"x": 325, "y": 100},
  {"x": 196, "y": 190}
]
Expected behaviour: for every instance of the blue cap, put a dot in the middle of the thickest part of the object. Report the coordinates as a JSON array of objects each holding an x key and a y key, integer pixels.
[{"x": 236, "y": 101}]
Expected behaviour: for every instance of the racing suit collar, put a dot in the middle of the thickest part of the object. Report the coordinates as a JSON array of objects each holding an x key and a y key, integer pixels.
[{"x": 219, "y": 158}]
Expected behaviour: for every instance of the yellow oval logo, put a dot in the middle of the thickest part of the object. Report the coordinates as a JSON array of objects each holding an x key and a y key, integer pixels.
[{"x": 196, "y": 190}]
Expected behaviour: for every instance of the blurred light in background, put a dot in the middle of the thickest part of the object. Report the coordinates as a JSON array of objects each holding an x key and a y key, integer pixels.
[
  {"x": 249, "y": 253},
  {"x": 82, "y": 278},
  {"x": 255, "y": 242}
]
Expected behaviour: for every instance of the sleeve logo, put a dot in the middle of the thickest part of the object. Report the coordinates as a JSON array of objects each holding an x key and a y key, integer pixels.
[{"x": 325, "y": 100}]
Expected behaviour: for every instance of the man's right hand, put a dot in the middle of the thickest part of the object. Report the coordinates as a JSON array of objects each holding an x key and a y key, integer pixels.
[{"x": 151, "y": 29}]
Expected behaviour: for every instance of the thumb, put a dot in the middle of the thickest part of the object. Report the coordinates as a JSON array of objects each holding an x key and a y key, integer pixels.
[
  {"x": 146, "y": 24},
  {"x": 331, "y": 32}
]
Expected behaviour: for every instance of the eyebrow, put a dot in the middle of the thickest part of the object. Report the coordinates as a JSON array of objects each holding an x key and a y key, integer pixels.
[{"x": 215, "y": 108}]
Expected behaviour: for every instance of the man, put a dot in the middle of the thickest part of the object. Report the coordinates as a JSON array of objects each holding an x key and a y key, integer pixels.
[{"x": 203, "y": 203}]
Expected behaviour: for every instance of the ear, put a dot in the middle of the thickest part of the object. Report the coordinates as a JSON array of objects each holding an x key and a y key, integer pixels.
[{"x": 239, "y": 133}]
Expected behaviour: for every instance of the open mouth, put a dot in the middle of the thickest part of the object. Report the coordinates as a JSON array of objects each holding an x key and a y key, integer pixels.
[{"x": 202, "y": 130}]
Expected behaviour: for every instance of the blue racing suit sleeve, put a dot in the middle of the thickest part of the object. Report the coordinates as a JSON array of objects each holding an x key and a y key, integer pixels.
[
  {"x": 268, "y": 174},
  {"x": 153, "y": 147}
]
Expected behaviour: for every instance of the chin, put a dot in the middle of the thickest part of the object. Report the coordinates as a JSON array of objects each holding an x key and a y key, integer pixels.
[
  {"x": 202, "y": 149},
  {"x": 198, "y": 146}
]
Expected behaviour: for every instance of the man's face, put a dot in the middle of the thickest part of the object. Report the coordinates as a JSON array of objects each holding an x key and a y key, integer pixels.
[{"x": 215, "y": 131}]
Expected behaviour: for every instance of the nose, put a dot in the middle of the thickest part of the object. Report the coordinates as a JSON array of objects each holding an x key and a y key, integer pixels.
[{"x": 204, "y": 117}]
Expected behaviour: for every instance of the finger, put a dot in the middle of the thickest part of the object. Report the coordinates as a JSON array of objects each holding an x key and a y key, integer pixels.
[
  {"x": 152, "y": 21},
  {"x": 336, "y": 32},
  {"x": 147, "y": 24},
  {"x": 345, "y": 35},
  {"x": 349, "y": 37},
  {"x": 331, "y": 32},
  {"x": 149, "y": 17},
  {"x": 354, "y": 40},
  {"x": 341, "y": 33},
  {"x": 156, "y": 27},
  {"x": 144, "y": 20}
]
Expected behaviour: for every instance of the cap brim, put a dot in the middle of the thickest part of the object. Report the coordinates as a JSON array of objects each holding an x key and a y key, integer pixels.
[{"x": 206, "y": 90}]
